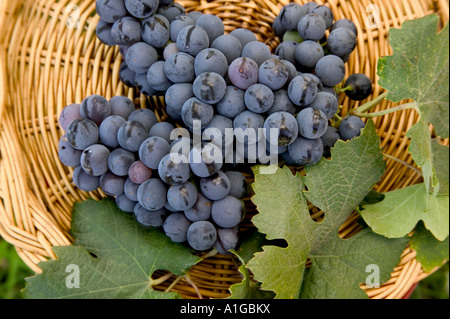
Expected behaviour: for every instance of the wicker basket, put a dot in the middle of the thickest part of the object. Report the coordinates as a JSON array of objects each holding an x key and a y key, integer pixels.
[{"x": 50, "y": 57}]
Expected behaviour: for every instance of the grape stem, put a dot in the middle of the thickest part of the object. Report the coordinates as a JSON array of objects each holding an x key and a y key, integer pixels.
[
  {"x": 403, "y": 163},
  {"x": 361, "y": 111}
]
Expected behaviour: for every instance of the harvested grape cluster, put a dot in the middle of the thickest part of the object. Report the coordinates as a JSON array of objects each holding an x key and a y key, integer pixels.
[
  {"x": 166, "y": 183},
  {"x": 276, "y": 106}
]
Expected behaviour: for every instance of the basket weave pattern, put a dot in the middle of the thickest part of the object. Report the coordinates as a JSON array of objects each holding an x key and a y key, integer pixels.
[{"x": 50, "y": 57}]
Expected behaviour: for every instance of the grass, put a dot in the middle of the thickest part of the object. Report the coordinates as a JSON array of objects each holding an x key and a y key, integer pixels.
[{"x": 13, "y": 272}]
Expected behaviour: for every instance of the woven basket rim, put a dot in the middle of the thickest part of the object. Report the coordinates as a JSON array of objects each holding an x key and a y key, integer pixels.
[{"x": 34, "y": 216}]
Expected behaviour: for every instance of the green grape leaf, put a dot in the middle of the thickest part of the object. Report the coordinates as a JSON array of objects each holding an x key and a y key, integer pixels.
[
  {"x": 337, "y": 186},
  {"x": 112, "y": 257},
  {"x": 249, "y": 288},
  {"x": 422, "y": 153},
  {"x": 419, "y": 69},
  {"x": 441, "y": 165},
  {"x": 400, "y": 211},
  {"x": 430, "y": 252}
]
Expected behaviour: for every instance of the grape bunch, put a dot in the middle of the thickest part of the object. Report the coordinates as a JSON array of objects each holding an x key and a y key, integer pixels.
[
  {"x": 183, "y": 175},
  {"x": 152, "y": 171}
]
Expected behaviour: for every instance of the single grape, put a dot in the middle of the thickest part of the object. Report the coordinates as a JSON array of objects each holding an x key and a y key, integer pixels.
[
  {"x": 95, "y": 108},
  {"x": 201, "y": 210},
  {"x": 179, "y": 68},
  {"x": 174, "y": 169},
  {"x": 201, "y": 235},
  {"x": 331, "y": 70},
  {"x": 341, "y": 42},
  {"x": 157, "y": 78},
  {"x": 216, "y": 132},
  {"x": 126, "y": 75},
  {"x": 273, "y": 73},
  {"x": 326, "y": 13},
  {"x": 183, "y": 196},
  {"x": 181, "y": 146},
  {"x": 194, "y": 15},
  {"x": 209, "y": 87},
  {"x": 170, "y": 49},
  {"x": 259, "y": 98},
  {"x": 309, "y": 6},
  {"x": 212, "y": 24},
  {"x": 140, "y": 56},
  {"x": 122, "y": 106},
  {"x": 278, "y": 28},
  {"x": 292, "y": 70},
  {"x": 152, "y": 194},
  {"x": 84, "y": 181},
  {"x": 149, "y": 219},
  {"x": 229, "y": 45},
  {"x": 238, "y": 184},
  {"x": 327, "y": 103},
  {"x": 211, "y": 60},
  {"x": 227, "y": 239},
  {"x": 243, "y": 72},
  {"x": 141, "y": 8},
  {"x": 119, "y": 161},
  {"x": 142, "y": 84},
  {"x": 344, "y": 23},
  {"x": 139, "y": 172},
  {"x": 162, "y": 129},
  {"x": 312, "y": 123},
  {"x": 94, "y": 159},
  {"x": 176, "y": 226},
  {"x": 216, "y": 186},
  {"x": 227, "y": 212},
  {"x": 68, "y": 155},
  {"x": 351, "y": 127},
  {"x": 194, "y": 110},
  {"x": 232, "y": 103},
  {"x": 144, "y": 116},
  {"x": 329, "y": 139},
  {"x": 204, "y": 160},
  {"x": 286, "y": 126},
  {"x": 308, "y": 53},
  {"x": 82, "y": 133},
  {"x": 69, "y": 114},
  {"x": 131, "y": 189},
  {"x": 312, "y": 27},
  {"x": 290, "y": 14},
  {"x": 286, "y": 50},
  {"x": 126, "y": 31},
  {"x": 257, "y": 51},
  {"x": 108, "y": 130},
  {"x": 302, "y": 90},
  {"x": 281, "y": 103},
  {"x": 361, "y": 86},
  {"x": 175, "y": 97},
  {"x": 244, "y": 35},
  {"x": 103, "y": 32},
  {"x": 171, "y": 11},
  {"x": 250, "y": 123},
  {"x": 125, "y": 204},
  {"x": 110, "y": 10},
  {"x": 179, "y": 23},
  {"x": 111, "y": 184},
  {"x": 131, "y": 134},
  {"x": 192, "y": 39},
  {"x": 156, "y": 31},
  {"x": 306, "y": 151},
  {"x": 152, "y": 150}
]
